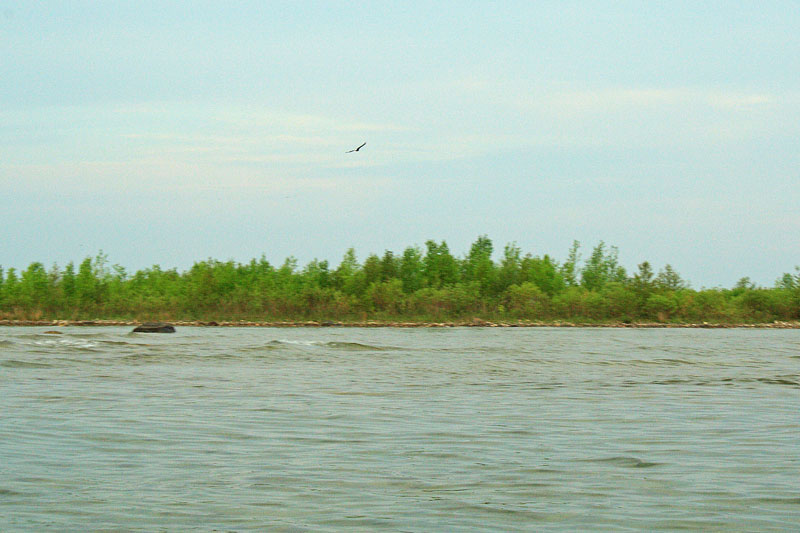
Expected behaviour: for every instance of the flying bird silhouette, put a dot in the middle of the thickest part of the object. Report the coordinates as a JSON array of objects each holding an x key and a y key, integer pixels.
[{"x": 356, "y": 150}]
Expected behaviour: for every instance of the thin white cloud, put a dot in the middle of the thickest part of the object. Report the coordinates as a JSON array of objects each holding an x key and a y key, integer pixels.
[
  {"x": 742, "y": 100},
  {"x": 473, "y": 116},
  {"x": 612, "y": 99}
]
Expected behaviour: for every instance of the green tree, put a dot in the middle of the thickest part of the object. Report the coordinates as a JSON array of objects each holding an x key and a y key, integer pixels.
[
  {"x": 580, "y": 303},
  {"x": 510, "y": 271},
  {"x": 439, "y": 266},
  {"x": 390, "y": 266},
  {"x": 527, "y": 301},
  {"x": 373, "y": 269},
  {"x": 743, "y": 285},
  {"x": 569, "y": 269},
  {"x": 602, "y": 267},
  {"x": 669, "y": 279},
  {"x": 643, "y": 278},
  {"x": 317, "y": 273},
  {"x": 345, "y": 276},
  {"x": 787, "y": 282},
  {"x": 68, "y": 287},
  {"x": 34, "y": 286},
  {"x": 660, "y": 306},
  {"x": 387, "y": 296},
  {"x": 642, "y": 286},
  {"x": 478, "y": 266},
  {"x": 11, "y": 289},
  {"x": 755, "y": 305},
  {"x": 544, "y": 273},
  {"x": 118, "y": 300},
  {"x": 412, "y": 270},
  {"x": 86, "y": 285},
  {"x": 623, "y": 303},
  {"x": 708, "y": 305}
]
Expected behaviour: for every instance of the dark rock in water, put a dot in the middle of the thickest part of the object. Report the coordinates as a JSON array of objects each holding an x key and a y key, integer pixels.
[
  {"x": 52, "y": 332},
  {"x": 154, "y": 327}
]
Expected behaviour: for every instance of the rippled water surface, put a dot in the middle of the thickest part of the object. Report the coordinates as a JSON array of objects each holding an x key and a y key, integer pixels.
[{"x": 334, "y": 429}]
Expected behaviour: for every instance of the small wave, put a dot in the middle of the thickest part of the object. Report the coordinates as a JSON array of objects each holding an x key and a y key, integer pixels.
[
  {"x": 663, "y": 361},
  {"x": 790, "y": 500},
  {"x": 66, "y": 343},
  {"x": 30, "y": 336},
  {"x": 673, "y": 361},
  {"x": 780, "y": 380},
  {"x": 275, "y": 345},
  {"x": 357, "y": 393},
  {"x": 624, "y": 461},
  {"x": 356, "y": 346},
  {"x": 786, "y": 381},
  {"x": 338, "y": 345},
  {"x": 92, "y": 335},
  {"x": 671, "y": 381},
  {"x": 13, "y": 363},
  {"x": 159, "y": 356},
  {"x": 285, "y": 342},
  {"x": 121, "y": 343},
  {"x": 60, "y": 334}
]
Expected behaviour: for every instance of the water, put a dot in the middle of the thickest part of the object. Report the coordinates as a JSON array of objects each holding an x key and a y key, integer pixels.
[{"x": 332, "y": 429}]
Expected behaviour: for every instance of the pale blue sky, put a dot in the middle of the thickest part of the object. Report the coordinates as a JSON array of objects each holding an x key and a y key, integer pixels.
[{"x": 172, "y": 132}]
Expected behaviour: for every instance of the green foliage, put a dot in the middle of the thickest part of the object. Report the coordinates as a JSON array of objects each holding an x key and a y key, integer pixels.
[
  {"x": 411, "y": 270},
  {"x": 412, "y": 286},
  {"x": 478, "y": 266},
  {"x": 86, "y": 285},
  {"x": 661, "y": 307},
  {"x": 373, "y": 270},
  {"x": 669, "y": 279},
  {"x": 545, "y": 274},
  {"x": 390, "y": 266},
  {"x": 34, "y": 286},
  {"x": 579, "y": 303},
  {"x": 709, "y": 305},
  {"x": 510, "y": 271},
  {"x": 386, "y": 297},
  {"x": 11, "y": 288},
  {"x": 569, "y": 269},
  {"x": 601, "y": 268},
  {"x": 643, "y": 279},
  {"x": 623, "y": 302},
  {"x": 527, "y": 301},
  {"x": 439, "y": 266}
]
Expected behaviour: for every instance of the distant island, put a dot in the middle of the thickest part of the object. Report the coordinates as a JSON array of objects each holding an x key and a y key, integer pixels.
[{"x": 427, "y": 286}]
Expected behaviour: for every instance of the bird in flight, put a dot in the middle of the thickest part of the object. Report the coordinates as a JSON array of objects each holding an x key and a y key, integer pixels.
[{"x": 356, "y": 150}]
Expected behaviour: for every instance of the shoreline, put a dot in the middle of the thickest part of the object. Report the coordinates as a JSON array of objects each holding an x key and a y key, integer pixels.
[{"x": 400, "y": 324}]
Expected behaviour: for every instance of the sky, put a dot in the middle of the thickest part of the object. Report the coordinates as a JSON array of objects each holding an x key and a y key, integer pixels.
[{"x": 171, "y": 132}]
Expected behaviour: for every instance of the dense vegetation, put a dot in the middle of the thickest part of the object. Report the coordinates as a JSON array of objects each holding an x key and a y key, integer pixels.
[{"x": 419, "y": 285}]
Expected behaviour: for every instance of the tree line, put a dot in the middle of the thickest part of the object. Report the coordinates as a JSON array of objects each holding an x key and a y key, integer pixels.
[{"x": 421, "y": 284}]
